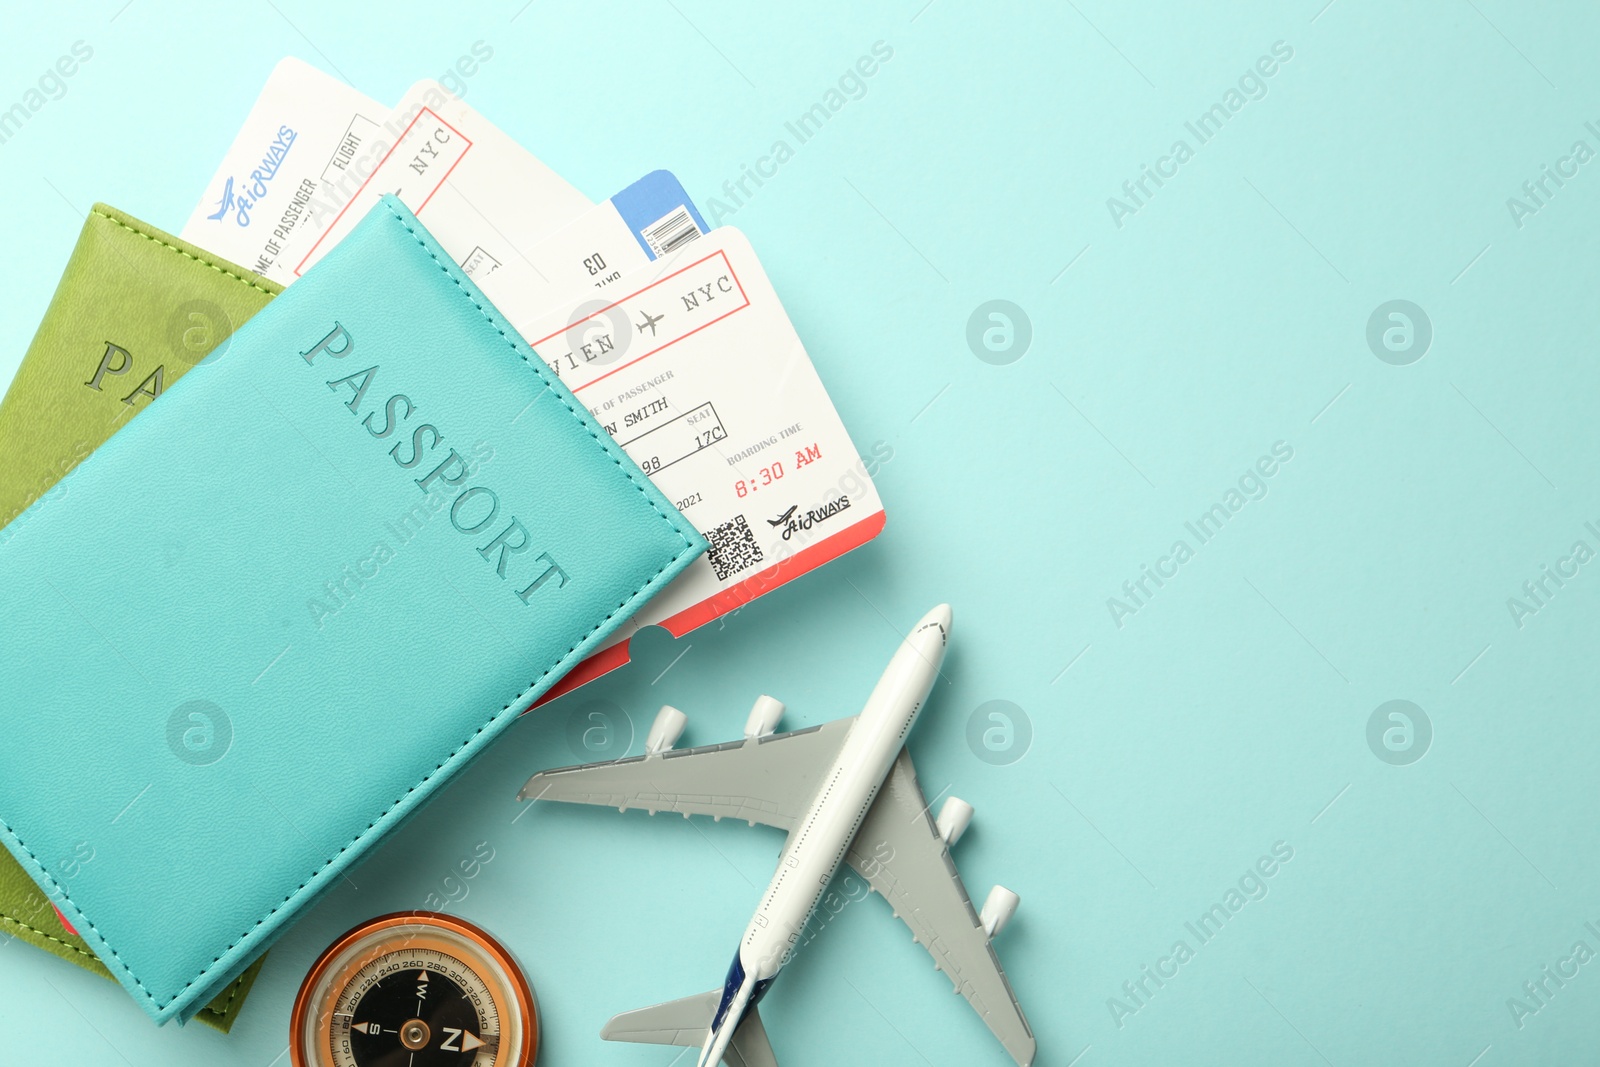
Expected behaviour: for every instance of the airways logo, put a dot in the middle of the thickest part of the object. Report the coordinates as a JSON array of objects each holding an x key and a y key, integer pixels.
[
  {"x": 792, "y": 522},
  {"x": 255, "y": 184}
]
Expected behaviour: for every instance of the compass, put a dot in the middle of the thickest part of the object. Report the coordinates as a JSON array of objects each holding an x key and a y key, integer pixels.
[{"x": 414, "y": 989}]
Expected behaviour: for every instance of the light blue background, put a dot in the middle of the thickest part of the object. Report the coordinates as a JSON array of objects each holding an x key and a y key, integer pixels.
[{"x": 1168, "y": 354}]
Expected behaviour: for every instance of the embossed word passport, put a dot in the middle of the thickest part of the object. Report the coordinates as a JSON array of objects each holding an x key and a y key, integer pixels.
[{"x": 236, "y": 758}]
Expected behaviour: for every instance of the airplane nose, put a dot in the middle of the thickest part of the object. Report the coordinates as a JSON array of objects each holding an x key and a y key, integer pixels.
[{"x": 939, "y": 617}]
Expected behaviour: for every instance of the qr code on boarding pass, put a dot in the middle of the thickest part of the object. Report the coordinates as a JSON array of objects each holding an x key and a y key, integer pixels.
[{"x": 733, "y": 548}]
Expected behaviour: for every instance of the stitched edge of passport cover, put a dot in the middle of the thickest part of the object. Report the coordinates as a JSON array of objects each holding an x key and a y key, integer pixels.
[
  {"x": 382, "y": 822},
  {"x": 221, "y": 1011},
  {"x": 186, "y": 250}
]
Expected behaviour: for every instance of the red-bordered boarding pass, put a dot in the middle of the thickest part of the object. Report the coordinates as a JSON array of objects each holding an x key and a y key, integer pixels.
[{"x": 692, "y": 365}]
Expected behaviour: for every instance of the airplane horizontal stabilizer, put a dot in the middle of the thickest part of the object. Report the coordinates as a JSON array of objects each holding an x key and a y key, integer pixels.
[{"x": 685, "y": 1023}]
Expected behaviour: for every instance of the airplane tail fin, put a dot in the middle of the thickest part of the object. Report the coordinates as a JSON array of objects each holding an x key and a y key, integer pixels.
[{"x": 685, "y": 1023}]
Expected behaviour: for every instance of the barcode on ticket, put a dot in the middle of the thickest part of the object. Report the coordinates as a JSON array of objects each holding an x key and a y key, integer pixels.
[{"x": 671, "y": 233}]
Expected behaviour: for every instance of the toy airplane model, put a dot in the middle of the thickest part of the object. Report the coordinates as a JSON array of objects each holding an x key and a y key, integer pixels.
[{"x": 845, "y": 792}]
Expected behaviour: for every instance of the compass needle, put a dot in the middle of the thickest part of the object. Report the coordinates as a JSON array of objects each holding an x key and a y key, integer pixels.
[{"x": 440, "y": 988}]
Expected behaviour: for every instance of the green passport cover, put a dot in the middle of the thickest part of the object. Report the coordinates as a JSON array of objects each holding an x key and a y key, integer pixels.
[{"x": 135, "y": 309}]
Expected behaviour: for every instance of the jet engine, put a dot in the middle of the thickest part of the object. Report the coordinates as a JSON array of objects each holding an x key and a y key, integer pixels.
[
  {"x": 998, "y": 909},
  {"x": 954, "y": 818},
  {"x": 763, "y": 718},
  {"x": 666, "y": 730}
]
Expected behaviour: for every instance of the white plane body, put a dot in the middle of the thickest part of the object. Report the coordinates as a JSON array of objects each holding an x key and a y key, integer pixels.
[
  {"x": 814, "y": 852},
  {"x": 823, "y": 785}
]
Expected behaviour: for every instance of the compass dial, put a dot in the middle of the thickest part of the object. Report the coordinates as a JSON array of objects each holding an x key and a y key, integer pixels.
[{"x": 416, "y": 989}]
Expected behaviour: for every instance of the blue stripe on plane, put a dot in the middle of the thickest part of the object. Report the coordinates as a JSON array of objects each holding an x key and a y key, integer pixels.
[{"x": 730, "y": 989}]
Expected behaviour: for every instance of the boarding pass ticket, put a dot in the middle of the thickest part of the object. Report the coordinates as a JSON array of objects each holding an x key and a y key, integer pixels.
[
  {"x": 329, "y": 153},
  {"x": 314, "y": 156},
  {"x": 693, "y": 366},
  {"x": 651, "y": 217},
  {"x": 299, "y": 145},
  {"x": 460, "y": 175},
  {"x": 708, "y": 388}
]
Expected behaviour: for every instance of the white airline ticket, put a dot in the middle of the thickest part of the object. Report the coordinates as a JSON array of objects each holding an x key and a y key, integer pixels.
[
  {"x": 474, "y": 188},
  {"x": 595, "y": 251},
  {"x": 314, "y": 156},
  {"x": 302, "y": 140},
  {"x": 335, "y": 138},
  {"x": 692, "y": 365}
]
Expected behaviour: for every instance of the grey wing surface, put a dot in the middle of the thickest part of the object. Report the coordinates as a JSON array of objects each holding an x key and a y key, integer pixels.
[
  {"x": 769, "y": 780},
  {"x": 677, "y": 1022},
  {"x": 685, "y": 1023},
  {"x": 750, "y": 1047},
  {"x": 901, "y": 855}
]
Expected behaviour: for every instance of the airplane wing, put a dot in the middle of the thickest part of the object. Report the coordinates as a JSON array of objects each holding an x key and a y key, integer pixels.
[
  {"x": 685, "y": 1022},
  {"x": 769, "y": 780},
  {"x": 900, "y": 853}
]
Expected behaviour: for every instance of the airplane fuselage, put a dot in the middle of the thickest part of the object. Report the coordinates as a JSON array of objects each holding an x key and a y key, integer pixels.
[{"x": 819, "y": 841}]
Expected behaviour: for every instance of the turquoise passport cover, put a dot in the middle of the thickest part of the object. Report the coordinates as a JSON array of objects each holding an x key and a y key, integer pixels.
[{"x": 345, "y": 552}]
